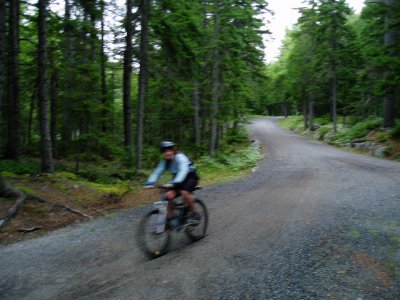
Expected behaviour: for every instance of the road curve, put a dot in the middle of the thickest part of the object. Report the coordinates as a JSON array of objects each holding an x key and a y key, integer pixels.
[{"x": 312, "y": 222}]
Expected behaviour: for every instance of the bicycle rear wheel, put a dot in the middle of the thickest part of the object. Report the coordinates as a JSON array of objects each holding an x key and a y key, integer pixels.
[
  {"x": 152, "y": 243},
  {"x": 198, "y": 231}
]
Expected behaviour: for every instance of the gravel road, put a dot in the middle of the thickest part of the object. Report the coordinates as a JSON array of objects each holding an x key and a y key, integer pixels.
[{"x": 313, "y": 222}]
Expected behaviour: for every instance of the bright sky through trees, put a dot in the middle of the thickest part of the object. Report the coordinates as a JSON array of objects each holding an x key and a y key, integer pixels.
[{"x": 285, "y": 16}]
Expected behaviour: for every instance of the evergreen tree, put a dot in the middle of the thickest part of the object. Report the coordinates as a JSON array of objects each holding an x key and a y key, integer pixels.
[{"x": 45, "y": 139}]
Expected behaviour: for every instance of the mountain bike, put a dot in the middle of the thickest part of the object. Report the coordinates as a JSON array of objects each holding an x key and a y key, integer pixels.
[{"x": 154, "y": 231}]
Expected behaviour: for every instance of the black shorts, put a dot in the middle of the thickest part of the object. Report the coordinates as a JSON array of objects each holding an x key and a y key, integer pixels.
[{"x": 189, "y": 184}]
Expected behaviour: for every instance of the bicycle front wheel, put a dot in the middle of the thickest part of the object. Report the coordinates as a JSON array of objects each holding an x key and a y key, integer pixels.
[
  {"x": 198, "y": 231},
  {"x": 154, "y": 244}
]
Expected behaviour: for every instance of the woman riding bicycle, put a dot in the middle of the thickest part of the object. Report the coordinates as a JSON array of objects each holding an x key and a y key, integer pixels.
[{"x": 184, "y": 181}]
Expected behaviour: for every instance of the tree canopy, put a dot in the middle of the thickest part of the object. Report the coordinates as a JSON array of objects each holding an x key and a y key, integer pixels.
[{"x": 110, "y": 79}]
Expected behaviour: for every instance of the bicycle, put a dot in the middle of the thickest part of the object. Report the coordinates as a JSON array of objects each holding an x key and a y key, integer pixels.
[{"x": 154, "y": 232}]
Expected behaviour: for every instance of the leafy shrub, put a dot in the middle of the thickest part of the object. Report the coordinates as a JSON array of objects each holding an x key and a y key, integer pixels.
[
  {"x": 97, "y": 175},
  {"x": 24, "y": 166},
  {"x": 229, "y": 159},
  {"x": 382, "y": 137},
  {"x": 323, "y": 130},
  {"x": 151, "y": 156},
  {"x": 360, "y": 129},
  {"x": 395, "y": 131},
  {"x": 236, "y": 136},
  {"x": 323, "y": 120},
  {"x": 292, "y": 122},
  {"x": 67, "y": 175}
]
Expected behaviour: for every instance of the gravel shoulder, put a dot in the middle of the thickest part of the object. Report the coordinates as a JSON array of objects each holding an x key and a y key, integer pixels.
[{"x": 312, "y": 222}]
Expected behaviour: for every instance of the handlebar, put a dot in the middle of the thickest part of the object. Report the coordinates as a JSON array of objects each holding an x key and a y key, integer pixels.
[
  {"x": 161, "y": 187},
  {"x": 166, "y": 187}
]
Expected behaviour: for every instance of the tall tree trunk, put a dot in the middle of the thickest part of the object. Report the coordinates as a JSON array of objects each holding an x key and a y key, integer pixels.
[
  {"x": 34, "y": 96},
  {"x": 66, "y": 132},
  {"x": 204, "y": 114},
  {"x": 87, "y": 57},
  {"x": 143, "y": 80},
  {"x": 2, "y": 63},
  {"x": 311, "y": 111},
  {"x": 53, "y": 112},
  {"x": 334, "y": 76},
  {"x": 45, "y": 140},
  {"x": 389, "y": 101},
  {"x": 14, "y": 123},
  {"x": 215, "y": 86},
  {"x": 127, "y": 78},
  {"x": 103, "y": 74},
  {"x": 334, "y": 99},
  {"x": 305, "y": 112},
  {"x": 196, "y": 106},
  {"x": 285, "y": 109}
]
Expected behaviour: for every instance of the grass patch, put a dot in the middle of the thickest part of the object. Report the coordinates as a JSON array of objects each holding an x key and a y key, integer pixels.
[
  {"x": 350, "y": 131},
  {"x": 395, "y": 131},
  {"x": 23, "y": 166},
  {"x": 292, "y": 123},
  {"x": 227, "y": 165},
  {"x": 359, "y": 130}
]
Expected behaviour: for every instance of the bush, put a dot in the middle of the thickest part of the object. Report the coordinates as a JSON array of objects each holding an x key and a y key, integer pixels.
[
  {"x": 97, "y": 175},
  {"x": 360, "y": 129},
  {"x": 292, "y": 122},
  {"x": 24, "y": 166},
  {"x": 323, "y": 130},
  {"x": 394, "y": 133},
  {"x": 323, "y": 120},
  {"x": 235, "y": 136}
]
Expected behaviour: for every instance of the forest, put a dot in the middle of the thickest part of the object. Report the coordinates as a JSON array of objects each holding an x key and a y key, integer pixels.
[
  {"x": 92, "y": 79},
  {"x": 86, "y": 80},
  {"x": 338, "y": 64}
]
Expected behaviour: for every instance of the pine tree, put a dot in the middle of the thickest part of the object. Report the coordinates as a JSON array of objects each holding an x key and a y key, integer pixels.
[
  {"x": 14, "y": 107},
  {"x": 128, "y": 56},
  {"x": 143, "y": 79},
  {"x": 2, "y": 64},
  {"x": 45, "y": 139}
]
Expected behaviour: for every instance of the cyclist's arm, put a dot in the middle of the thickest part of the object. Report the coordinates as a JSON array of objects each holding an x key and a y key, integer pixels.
[
  {"x": 156, "y": 173},
  {"x": 183, "y": 168}
]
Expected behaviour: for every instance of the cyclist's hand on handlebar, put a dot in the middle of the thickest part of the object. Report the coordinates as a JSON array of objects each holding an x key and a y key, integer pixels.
[{"x": 149, "y": 185}]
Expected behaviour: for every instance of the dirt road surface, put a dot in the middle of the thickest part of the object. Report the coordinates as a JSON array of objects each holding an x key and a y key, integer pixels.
[{"x": 312, "y": 222}]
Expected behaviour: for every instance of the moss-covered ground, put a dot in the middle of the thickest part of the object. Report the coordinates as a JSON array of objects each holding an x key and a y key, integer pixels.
[
  {"x": 102, "y": 187},
  {"x": 360, "y": 135}
]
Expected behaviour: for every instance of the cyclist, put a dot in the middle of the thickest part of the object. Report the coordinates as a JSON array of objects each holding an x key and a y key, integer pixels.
[{"x": 184, "y": 180}]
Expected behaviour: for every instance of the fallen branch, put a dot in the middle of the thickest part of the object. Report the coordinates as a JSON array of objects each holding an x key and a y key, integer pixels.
[
  {"x": 25, "y": 230},
  {"x": 43, "y": 200},
  {"x": 96, "y": 210},
  {"x": 7, "y": 191},
  {"x": 13, "y": 209}
]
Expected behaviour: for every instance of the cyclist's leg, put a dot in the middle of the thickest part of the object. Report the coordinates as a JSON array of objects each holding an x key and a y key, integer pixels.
[
  {"x": 170, "y": 195},
  {"x": 188, "y": 197}
]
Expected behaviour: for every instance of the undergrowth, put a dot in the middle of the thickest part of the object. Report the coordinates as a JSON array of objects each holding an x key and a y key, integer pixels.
[
  {"x": 235, "y": 158},
  {"x": 350, "y": 130}
]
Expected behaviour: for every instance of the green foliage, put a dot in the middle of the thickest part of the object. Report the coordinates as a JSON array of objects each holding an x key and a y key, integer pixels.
[
  {"x": 24, "y": 166},
  {"x": 323, "y": 120},
  {"x": 67, "y": 175},
  {"x": 360, "y": 130},
  {"x": 324, "y": 130},
  {"x": 235, "y": 136},
  {"x": 292, "y": 122},
  {"x": 7, "y": 174},
  {"x": 395, "y": 131},
  {"x": 330, "y": 45},
  {"x": 118, "y": 189},
  {"x": 230, "y": 159}
]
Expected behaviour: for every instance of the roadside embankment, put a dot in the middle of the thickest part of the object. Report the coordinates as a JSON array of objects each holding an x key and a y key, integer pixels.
[{"x": 365, "y": 136}]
